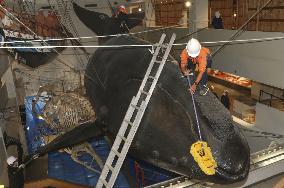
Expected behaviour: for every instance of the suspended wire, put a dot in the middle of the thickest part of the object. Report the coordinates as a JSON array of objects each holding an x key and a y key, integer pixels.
[
  {"x": 192, "y": 33},
  {"x": 90, "y": 37},
  {"x": 69, "y": 28},
  {"x": 65, "y": 46},
  {"x": 124, "y": 46},
  {"x": 65, "y": 29},
  {"x": 58, "y": 59},
  {"x": 15, "y": 18},
  {"x": 110, "y": 7},
  {"x": 240, "y": 30},
  {"x": 79, "y": 40},
  {"x": 239, "y": 41},
  {"x": 217, "y": 43}
]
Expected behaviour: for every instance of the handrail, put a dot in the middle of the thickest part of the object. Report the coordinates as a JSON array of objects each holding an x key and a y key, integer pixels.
[{"x": 271, "y": 97}]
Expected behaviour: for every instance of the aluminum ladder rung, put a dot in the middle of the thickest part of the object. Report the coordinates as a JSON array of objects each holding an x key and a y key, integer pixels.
[
  {"x": 110, "y": 167},
  {"x": 152, "y": 77},
  {"x": 122, "y": 137},
  {"x": 136, "y": 117},
  {"x": 144, "y": 92},
  {"x": 136, "y": 107},
  {"x": 104, "y": 182},
  {"x": 128, "y": 122},
  {"x": 115, "y": 152}
]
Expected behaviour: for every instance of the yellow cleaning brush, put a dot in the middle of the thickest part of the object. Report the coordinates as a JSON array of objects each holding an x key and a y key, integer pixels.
[{"x": 203, "y": 156}]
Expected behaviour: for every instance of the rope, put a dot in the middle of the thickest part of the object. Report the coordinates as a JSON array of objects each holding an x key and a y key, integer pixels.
[{"x": 194, "y": 107}]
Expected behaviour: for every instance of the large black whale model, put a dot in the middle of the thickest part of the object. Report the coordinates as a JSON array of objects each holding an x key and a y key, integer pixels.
[{"x": 168, "y": 127}]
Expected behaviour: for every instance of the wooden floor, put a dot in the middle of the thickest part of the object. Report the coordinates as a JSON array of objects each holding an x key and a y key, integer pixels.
[{"x": 52, "y": 183}]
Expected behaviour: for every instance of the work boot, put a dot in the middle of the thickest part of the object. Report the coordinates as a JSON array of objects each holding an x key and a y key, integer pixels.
[{"x": 204, "y": 90}]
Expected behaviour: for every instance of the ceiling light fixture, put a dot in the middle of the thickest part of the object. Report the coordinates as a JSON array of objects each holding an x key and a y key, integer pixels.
[{"x": 187, "y": 3}]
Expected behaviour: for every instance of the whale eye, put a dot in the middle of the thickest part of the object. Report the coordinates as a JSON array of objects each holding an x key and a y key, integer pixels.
[
  {"x": 102, "y": 17},
  {"x": 155, "y": 154}
]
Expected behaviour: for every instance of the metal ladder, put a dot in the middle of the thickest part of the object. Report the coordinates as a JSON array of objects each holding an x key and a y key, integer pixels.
[{"x": 134, "y": 114}]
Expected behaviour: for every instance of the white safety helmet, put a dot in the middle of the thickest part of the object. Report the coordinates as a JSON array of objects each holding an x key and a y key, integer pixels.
[
  {"x": 217, "y": 14},
  {"x": 122, "y": 7},
  {"x": 193, "y": 47},
  {"x": 11, "y": 160}
]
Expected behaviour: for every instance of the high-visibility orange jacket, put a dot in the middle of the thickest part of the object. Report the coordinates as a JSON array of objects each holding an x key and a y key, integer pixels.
[{"x": 201, "y": 59}]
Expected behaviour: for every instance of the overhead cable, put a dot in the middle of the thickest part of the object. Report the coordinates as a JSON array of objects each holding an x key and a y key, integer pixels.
[
  {"x": 88, "y": 46},
  {"x": 90, "y": 37},
  {"x": 14, "y": 17},
  {"x": 240, "y": 41},
  {"x": 240, "y": 30}
]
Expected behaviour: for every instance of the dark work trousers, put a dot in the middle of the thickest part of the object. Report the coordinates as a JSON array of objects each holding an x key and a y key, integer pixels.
[
  {"x": 191, "y": 66},
  {"x": 16, "y": 177}
]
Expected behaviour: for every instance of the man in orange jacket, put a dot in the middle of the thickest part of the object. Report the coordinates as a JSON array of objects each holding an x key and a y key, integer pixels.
[{"x": 193, "y": 56}]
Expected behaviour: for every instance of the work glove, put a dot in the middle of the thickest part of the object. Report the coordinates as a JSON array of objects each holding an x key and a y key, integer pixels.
[{"x": 187, "y": 73}]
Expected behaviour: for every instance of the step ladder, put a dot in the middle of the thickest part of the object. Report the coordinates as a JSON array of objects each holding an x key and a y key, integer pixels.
[{"x": 135, "y": 114}]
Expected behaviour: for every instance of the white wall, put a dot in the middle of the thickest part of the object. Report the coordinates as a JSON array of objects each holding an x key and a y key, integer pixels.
[
  {"x": 256, "y": 87},
  {"x": 202, "y": 14},
  {"x": 149, "y": 14},
  {"x": 241, "y": 108},
  {"x": 198, "y": 15},
  {"x": 260, "y": 62},
  {"x": 269, "y": 119}
]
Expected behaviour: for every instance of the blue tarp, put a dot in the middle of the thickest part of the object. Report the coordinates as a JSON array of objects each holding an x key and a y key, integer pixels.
[
  {"x": 61, "y": 166},
  {"x": 34, "y": 126}
]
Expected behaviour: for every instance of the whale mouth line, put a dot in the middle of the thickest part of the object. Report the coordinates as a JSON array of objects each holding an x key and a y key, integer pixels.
[{"x": 232, "y": 177}]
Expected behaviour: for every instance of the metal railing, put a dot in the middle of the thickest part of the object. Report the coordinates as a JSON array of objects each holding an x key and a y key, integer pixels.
[{"x": 271, "y": 97}]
